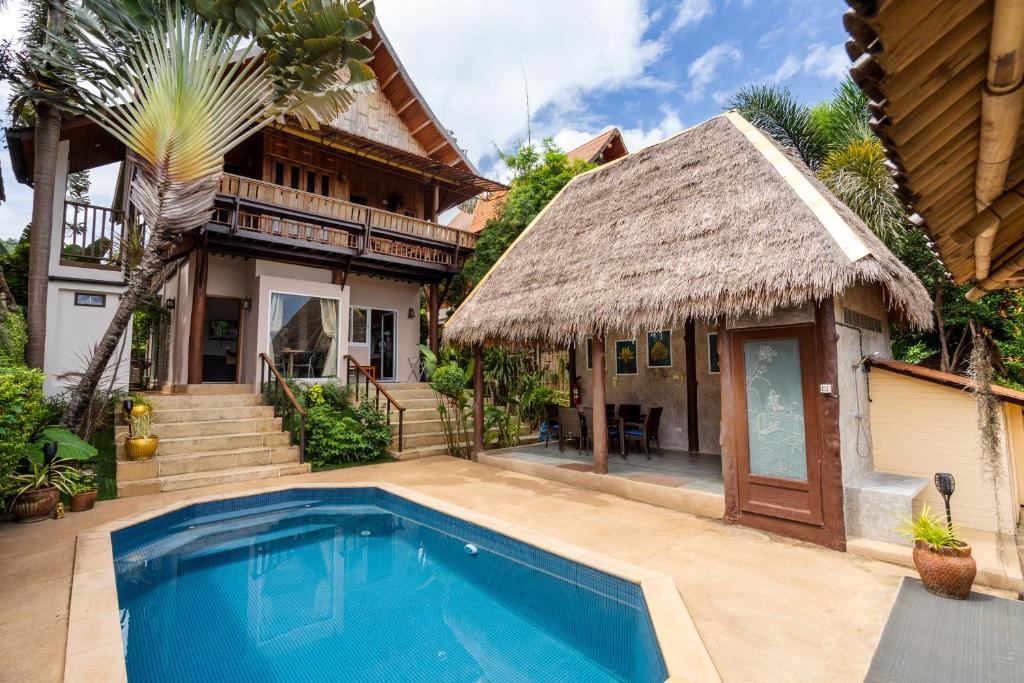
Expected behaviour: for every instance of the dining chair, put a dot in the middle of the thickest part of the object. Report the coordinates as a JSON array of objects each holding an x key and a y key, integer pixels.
[
  {"x": 302, "y": 366},
  {"x": 646, "y": 433},
  {"x": 570, "y": 426},
  {"x": 613, "y": 428},
  {"x": 630, "y": 410},
  {"x": 551, "y": 417}
]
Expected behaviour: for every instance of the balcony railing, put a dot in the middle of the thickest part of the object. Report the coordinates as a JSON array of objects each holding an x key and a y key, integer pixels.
[
  {"x": 100, "y": 237},
  {"x": 340, "y": 210}
]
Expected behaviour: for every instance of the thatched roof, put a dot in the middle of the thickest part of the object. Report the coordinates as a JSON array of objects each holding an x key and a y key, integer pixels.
[{"x": 700, "y": 225}]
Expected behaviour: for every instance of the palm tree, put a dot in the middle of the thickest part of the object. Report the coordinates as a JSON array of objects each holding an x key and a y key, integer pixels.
[
  {"x": 180, "y": 89},
  {"x": 834, "y": 140}
]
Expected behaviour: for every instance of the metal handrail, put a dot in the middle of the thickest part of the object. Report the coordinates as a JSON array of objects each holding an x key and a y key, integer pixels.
[
  {"x": 350, "y": 363},
  {"x": 284, "y": 401}
]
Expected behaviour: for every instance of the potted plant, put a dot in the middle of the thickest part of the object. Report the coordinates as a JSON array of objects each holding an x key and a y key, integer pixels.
[
  {"x": 37, "y": 491},
  {"x": 82, "y": 490},
  {"x": 141, "y": 443},
  {"x": 942, "y": 559},
  {"x": 136, "y": 406}
]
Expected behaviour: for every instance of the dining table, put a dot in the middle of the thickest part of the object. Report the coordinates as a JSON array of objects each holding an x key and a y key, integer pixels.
[
  {"x": 290, "y": 363},
  {"x": 621, "y": 422}
]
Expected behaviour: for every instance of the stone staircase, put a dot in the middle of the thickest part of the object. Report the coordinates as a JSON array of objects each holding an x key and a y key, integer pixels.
[
  {"x": 209, "y": 434},
  {"x": 424, "y": 435}
]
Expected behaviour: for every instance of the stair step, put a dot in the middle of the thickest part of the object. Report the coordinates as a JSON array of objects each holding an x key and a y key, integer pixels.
[
  {"x": 198, "y": 479},
  {"x": 422, "y": 439},
  {"x": 218, "y": 442},
  {"x": 421, "y": 452},
  {"x": 212, "y": 389},
  {"x": 175, "y": 430},
  {"x": 164, "y": 402},
  {"x": 208, "y": 414},
  {"x": 170, "y": 465}
]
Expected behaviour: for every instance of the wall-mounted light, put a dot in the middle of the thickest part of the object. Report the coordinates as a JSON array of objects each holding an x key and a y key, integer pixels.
[
  {"x": 246, "y": 304},
  {"x": 169, "y": 304},
  {"x": 412, "y": 313}
]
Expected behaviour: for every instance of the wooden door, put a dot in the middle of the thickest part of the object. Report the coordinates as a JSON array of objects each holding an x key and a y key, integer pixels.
[{"x": 778, "y": 444}]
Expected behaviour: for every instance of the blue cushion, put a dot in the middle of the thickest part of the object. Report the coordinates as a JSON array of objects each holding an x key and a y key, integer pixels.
[{"x": 634, "y": 432}]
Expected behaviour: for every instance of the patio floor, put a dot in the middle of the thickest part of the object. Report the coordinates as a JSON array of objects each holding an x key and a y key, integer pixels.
[{"x": 767, "y": 608}]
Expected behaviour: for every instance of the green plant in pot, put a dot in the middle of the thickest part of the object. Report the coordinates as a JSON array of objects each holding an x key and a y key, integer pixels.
[
  {"x": 141, "y": 443},
  {"x": 136, "y": 406},
  {"x": 82, "y": 490},
  {"x": 35, "y": 491},
  {"x": 942, "y": 558}
]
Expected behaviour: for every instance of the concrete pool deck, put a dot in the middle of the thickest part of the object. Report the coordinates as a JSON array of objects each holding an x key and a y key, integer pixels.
[{"x": 766, "y": 608}]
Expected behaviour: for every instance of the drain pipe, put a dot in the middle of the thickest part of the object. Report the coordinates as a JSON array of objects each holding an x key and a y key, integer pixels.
[{"x": 1002, "y": 101}]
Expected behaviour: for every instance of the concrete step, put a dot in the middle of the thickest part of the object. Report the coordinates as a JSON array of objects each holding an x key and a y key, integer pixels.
[
  {"x": 401, "y": 386},
  {"x": 219, "y": 442},
  {"x": 416, "y": 415},
  {"x": 403, "y": 395},
  {"x": 417, "y": 426},
  {"x": 176, "y": 430},
  {"x": 164, "y": 402},
  {"x": 207, "y": 414},
  {"x": 163, "y": 465},
  {"x": 422, "y": 439},
  {"x": 212, "y": 389},
  {"x": 178, "y": 482},
  {"x": 421, "y": 452}
]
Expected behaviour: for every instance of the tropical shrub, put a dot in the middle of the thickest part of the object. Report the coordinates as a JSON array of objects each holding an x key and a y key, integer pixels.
[
  {"x": 22, "y": 411},
  {"x": 931, "y": 529},
  {"x": 334, "y": 437},
  {"x": 13, "y": 337},
  {"x": 449, "y": 385}
]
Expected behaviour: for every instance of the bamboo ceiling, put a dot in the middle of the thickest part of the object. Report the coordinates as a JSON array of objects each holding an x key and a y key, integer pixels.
[{"x": 939, "y": 74}]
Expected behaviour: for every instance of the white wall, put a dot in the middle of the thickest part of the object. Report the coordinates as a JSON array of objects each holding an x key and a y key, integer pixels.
[
  {"x": 391, "y": 295},
  {"x": 72, "y": 333}
]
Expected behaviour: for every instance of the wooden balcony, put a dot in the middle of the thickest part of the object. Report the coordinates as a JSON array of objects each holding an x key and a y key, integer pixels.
[{"x": 257, "y": 206}]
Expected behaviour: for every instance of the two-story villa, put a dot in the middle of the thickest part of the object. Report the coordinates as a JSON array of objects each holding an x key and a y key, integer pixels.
[{"x": 317, "y": 247}]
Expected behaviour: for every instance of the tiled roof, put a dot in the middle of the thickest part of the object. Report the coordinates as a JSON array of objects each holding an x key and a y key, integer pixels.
[
  {"x": 945, "y": 378},
  {"x": 486, "y": 209}
]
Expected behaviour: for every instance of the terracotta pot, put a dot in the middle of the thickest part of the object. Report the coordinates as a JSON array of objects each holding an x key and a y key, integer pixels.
[
  {"x": 138, "y": 410},
  {"x": 35, "y": 505},
  {"x": 948, "y": 572},
  {"x": 139, "y": 448},
  {"x": 80, "y": 502}
]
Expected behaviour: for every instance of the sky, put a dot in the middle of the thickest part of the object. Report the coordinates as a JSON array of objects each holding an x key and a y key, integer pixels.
[{"x": 649, "y": 67}]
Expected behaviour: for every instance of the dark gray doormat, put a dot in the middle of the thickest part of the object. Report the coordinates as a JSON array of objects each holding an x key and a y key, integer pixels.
[{"x": 928, "y": 638}]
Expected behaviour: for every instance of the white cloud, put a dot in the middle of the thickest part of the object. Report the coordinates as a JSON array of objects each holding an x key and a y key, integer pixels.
[
  {"x": 473, "y": 80},
  {"x": 635, "y": 138},
  {"x": 691, "y": 12},
  {"x": 703, "y": 70},
  {"x": 827, "y": 61}
]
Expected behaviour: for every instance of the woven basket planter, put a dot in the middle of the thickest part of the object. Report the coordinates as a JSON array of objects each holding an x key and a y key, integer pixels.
[
  {"x": 948, "y": 572},
  {"x": 35, "y": 505}
]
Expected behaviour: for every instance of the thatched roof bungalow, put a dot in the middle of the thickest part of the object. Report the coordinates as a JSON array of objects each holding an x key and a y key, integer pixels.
[
  {"x": 723, "y": 236},
  {"x": 701, "y": 225}
]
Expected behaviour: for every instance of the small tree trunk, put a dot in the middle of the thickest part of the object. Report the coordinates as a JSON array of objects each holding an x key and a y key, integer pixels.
[
  {"x": 47, "y": 141},
  {"x": 943, "y": 334},
  {"x": 142, "y": 280}
]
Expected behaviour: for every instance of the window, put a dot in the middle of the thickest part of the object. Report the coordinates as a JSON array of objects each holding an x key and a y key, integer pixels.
[
  {"x": 87, "y": 299},
  {"x": 357, "y": 326},
  {"x": 713, "y": 354},
  {"x": 304, "y": 335},
  {"x": 325, "y": 185},
  {"x": 278, "y": 173},
  {"x": 295, "y": 177}
]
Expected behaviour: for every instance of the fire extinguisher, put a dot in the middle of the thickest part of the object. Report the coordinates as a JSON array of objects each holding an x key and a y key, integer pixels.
[{"x": 577, "y": 394}]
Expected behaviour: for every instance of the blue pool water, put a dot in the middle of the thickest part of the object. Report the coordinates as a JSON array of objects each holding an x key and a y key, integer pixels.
[{"x": 360, "y": 585}]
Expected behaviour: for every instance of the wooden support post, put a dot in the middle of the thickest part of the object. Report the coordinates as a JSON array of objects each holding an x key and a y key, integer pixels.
[
  {"x": 600, "y": 427},
  {"x": 692, "y": 433},
  {"x": 198, "y": 320},
  {"x": 435, "y": 202},
  {"x": 478, "y": 400},
  {"x": 433, "y": 309},
  {"x": 570, "y": 367}
]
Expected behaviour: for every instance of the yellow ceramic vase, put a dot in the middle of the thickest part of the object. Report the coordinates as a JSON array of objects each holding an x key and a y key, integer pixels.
[
  {"x": 139, "y": 410},
  {"x": 141, "y": 448}
]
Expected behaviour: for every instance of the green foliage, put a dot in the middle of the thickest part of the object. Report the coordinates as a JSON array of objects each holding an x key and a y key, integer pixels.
[
  {"x": 931, "y": 529},
  {"x": 334, "y": 437},
  {"x": 500, "y": 427},
  {"x": 42, "y": 475},
  {"x": 69, "y": 445},
  {"x": 147, "y": 316},
  {"x": 449, "y": 384},
  {"x": 337, "y": 396},
  {"x": 141, "y": 426},
  {"x": 429, "y": 360},
  {"x": 13, "y": 338},
  {"x": 22, "y": 411},
  {"x": 449, "y": 381},
  {"x": 15, "y": 266},
  {"x": 538, "y": 175}
]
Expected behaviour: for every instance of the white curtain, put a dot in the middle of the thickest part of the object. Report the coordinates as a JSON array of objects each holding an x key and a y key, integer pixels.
[
  {"x": 276, "y": 320},
  {"x": 329, "y": 322}
]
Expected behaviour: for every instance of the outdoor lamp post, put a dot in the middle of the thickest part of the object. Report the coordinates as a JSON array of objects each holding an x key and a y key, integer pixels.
[{"x": 946, "y": 484}]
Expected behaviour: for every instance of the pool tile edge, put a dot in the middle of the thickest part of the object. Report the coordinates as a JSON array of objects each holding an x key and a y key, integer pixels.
[{"x": 94, "y": 615}]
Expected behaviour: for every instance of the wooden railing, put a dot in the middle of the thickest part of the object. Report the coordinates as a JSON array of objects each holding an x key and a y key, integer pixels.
[
  {"x": 286, "y": 406},
  {"x": 340, "y": 210},
  {"x": 363, "y": 380}
]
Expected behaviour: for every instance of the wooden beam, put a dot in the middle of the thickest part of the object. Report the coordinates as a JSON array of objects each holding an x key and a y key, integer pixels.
[
  {"x": 692, "y": 432},
  {"x": 405, "y": 105},
  {"x": 570, "y": 368},
  {"x": 991, "y": 216},
  {"x": 420, "y": 127},
  {"x": 433, "y": 307},
  {"x": 389, "y": 79},
  {"x": 599, "y": 429},
  {"x": 197, "y": 322},
  {"x": 438, "y": 147},
  {"x": 478, "y": 400},
  {"x": 730, "y": 473},
  {"x": 435, "y": 202}
]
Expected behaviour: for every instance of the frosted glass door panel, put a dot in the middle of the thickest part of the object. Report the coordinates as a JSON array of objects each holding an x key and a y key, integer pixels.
[{"x": 776, "y": 435}]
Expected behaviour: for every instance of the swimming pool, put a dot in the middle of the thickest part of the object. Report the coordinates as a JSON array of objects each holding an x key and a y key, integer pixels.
[{"x": 358, "y": 584}]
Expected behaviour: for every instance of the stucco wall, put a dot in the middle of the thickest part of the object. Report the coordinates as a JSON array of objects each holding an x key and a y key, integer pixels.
[
  {"x": 664, "y": 387},
  {"x": 920, "y": 428},
  {"x": 395, "y": 296},
  {"x": 72, "y": 333}
]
